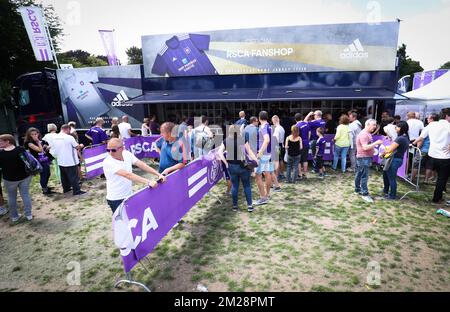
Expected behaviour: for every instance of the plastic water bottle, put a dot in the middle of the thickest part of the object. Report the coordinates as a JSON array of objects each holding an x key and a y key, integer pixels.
[{"x": 443, "y": 212}]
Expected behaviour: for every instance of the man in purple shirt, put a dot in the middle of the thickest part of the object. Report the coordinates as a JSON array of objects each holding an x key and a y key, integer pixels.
[
  {"x": 305, "y": 131},
  {"x": 96, "y": 134},
  {"x": 184, "y": 56},
  {"x": 315, "y": 121}
]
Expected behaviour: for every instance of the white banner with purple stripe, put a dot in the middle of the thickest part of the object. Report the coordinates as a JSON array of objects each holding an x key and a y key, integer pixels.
[
  {"x": 35, "y": 25},
  {"x": 110, "y": 48}
]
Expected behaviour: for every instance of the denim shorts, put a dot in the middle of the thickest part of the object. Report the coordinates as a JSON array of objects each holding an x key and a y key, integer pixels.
[{"x": 265, "y": 165}]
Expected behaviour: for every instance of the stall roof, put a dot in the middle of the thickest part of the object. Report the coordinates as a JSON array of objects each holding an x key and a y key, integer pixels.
[{"x": 263, "y": 95}]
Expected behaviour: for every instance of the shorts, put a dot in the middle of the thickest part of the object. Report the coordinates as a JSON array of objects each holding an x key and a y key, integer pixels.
[
  {"x": 428, "y": 162},
  {"x": 304, "y": 154},
  {"x": 319, "y": 162},
  {"x": 265, "y": 165}
]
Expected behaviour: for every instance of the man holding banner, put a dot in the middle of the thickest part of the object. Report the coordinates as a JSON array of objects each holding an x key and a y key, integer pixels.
[{"x": 118, "y": 169}]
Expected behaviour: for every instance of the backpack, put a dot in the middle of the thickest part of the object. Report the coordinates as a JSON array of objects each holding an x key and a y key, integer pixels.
[
  {"x": 32, "y": 165},
  {"x": 202, "y": 140}
]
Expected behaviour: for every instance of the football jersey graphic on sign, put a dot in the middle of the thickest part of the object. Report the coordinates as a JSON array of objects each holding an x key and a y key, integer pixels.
[
  {"x": 184, "y": 56},
  {"x": 84, "y": 95}
]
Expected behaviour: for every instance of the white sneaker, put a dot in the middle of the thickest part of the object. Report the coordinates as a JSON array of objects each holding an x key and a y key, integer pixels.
[
  {"x": 29, "y": 218},
  {"x": 367, "y": 198}
]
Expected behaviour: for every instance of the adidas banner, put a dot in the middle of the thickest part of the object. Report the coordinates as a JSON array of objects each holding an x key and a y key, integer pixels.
[
  {"x": 34, "y": 22},
  {"x": 143, "y": 219},
  {"x": 88, "y": 93},
  {"x": 292, "y": 49}
]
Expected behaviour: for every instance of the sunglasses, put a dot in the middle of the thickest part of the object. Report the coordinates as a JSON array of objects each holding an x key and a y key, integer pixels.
[{"x": 109, "y": 150}]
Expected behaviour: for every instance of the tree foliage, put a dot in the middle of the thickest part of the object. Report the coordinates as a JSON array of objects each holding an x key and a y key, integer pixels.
[
  {"x": 407, "y": 65},
  {"x": 134, "y": 55},
  {"x": 445, "y": 66},
  {"x": 80, "y": 58}
]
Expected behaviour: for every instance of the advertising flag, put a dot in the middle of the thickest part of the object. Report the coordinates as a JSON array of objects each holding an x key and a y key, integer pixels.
[
  {"x": 35, "y": 25},
  {"x": 108, "y": 44}
]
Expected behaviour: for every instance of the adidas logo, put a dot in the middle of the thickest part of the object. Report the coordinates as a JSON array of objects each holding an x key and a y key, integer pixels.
[
  {"x": 119, "y": 99},
  {"x": 355, "y": 50}
]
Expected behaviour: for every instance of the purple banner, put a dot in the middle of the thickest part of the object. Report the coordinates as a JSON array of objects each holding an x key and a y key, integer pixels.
[
  {"x": 424, "y": 78},
  {"x": 143, "y": 147},
  {"x": 401, "y": 172},
  {"x": 148, "y": 215},
  {"x": 93, "y": 158}
]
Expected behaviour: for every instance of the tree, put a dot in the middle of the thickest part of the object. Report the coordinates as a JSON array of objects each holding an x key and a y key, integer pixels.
[
  {"x": 134, "y": 55},
  {"x": 445, "y": 66},
  {"x": 80, "y": 58},
  {"x": 16, "y": 48},
  {"x": 407, "y": 65}
]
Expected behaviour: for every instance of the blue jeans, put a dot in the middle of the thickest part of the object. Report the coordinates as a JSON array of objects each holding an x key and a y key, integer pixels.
[
  {"x": 362, "y": 175},
  {"x": 45, "y": 175},
  {"x": 390, "y": 178},
  {"x": 313, "y": 145},
  {"x": 292, "y": 163},
  {"x": 238, "y": 172},
  {"x": 114, "y": 204},
  {"x": 24, "y": 190},
  {"x": 343, "y": 152}
]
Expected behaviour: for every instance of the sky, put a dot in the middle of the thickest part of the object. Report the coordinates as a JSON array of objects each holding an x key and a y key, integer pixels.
[{"x": 425, "y": 26}]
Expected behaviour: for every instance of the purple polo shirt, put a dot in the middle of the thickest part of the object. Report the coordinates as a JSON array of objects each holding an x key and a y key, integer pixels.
[
  {"x": 97, "y": 134},
  {"x": 314, "y": 125},
  {"x": 304, "y": 129}
]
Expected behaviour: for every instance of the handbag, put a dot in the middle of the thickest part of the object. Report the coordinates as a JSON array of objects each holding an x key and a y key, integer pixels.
[
  {"x": 387, "y": 161},
  {"x": 32, "y": 165},
  {"x": 248, "y": 163},
  {"x": 43, "y": 159}
]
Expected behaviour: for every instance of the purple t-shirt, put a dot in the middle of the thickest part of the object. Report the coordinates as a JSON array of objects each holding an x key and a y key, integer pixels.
[
  {"x": 97, "y": 134},
  {"x": 184, "y": 56},
  {"x": 314, "y": 125},
  {"x": 304, "y": 129},
  {"x": 321, "y": 146},
  {"x": 263, "y": 130}
]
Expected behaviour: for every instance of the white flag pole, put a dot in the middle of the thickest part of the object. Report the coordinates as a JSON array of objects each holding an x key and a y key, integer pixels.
[{"x": 50, "y": 39}]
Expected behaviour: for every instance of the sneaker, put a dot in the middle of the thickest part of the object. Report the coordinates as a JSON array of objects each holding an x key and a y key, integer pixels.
[
  {"x": 447, "y": 203},
  {"x": 29, "y": 218},
  {"x": 15, "y": 221},
  {"x": 304, "y": 176},
  {"x": 261, "y": 201},
  {"x": 367, "y": 198},
  {"x": 250, "y": 208},
  {"x": 3, "y": 211},
  {"x": 277, "y": 189},
  {"x": 321, "y": 176},
  {"x": 350, "y": 170},
  {"x": 235, "y": 209},
  {"x": 80, "y": 193}
]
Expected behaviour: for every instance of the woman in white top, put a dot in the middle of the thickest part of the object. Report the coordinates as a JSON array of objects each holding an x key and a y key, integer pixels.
[{"x": 145, "y": 128}]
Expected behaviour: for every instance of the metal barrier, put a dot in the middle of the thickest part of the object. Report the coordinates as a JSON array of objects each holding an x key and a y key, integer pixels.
[{"x": 412, "y": 174}]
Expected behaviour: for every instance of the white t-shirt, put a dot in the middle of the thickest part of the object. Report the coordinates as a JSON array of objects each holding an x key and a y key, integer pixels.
[
  {"x": 390, "y": 131},
  {"x": 439, "y": 133},
  {"x": 49, "y": 139},
  {"x": 118, "y": 187},
  {"x": 123, "y": 128},
  {"x": 415, "y": 126},
  {"x": 279, "y": 133},
  {"x": 145, "y": 131},
  {"x": 64, "y": 148}
]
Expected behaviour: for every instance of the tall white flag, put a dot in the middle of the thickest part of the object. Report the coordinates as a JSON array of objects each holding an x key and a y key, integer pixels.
[{"x": 35, "y": 25}]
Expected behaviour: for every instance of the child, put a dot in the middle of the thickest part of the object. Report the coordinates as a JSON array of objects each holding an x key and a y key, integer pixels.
[
  {"x": 145, "y": 128},
  {"x": 319, "y": 152}
]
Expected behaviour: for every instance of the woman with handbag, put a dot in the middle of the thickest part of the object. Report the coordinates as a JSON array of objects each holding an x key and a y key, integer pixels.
[
  {"x": 15, "y": 177},
  {"x": 40, "y": 150},
  {"x": 238, "y": 164},
  {"x": 397, "y": 151}
]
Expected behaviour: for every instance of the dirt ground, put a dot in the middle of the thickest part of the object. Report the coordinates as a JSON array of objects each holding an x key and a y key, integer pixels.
[{"x": 316, "y": 235}]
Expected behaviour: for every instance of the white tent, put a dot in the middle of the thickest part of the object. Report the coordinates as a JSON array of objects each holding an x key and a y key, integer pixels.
[{"x": 431, "y": 98}]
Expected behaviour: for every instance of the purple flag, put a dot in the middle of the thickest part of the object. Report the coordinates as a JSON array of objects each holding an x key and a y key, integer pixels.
[
  {"x": 148, "y": 215},
  {"x": 401, "y": 172},
  {"x": 93, "y": 158},
  {"x": 108, "y": 44},
  {"x": 143, "y": 147},
  {"x": 424, "y": 78}
]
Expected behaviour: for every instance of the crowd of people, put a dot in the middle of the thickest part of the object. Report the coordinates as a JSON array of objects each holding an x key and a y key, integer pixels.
[{"x": 249, "y": 149}]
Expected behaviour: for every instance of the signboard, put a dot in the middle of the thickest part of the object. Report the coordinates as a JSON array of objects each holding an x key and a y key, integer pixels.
[
  {"x": 88, "y": 93},
  {"x": 315, "y": 48}
]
